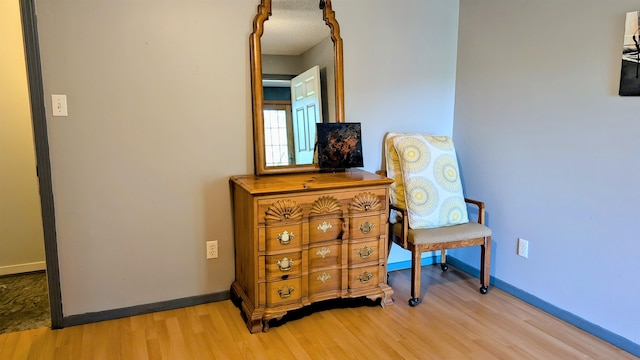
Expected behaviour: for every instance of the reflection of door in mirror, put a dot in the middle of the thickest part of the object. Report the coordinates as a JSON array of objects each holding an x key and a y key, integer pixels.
[
  {"x": 289, "y": 37},
  {"x": 306, "y": 112},
  {"x": 295, "y": 39},
  {"x": 291, "y": 110},
  {"x": 284, "y": 67}
]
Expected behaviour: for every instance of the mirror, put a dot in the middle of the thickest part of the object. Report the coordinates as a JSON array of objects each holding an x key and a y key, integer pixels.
[{"x": 297, "y": 80}]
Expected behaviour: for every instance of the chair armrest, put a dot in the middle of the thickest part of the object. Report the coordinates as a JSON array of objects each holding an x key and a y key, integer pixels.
[
  {"x": 480, "y": 206},
  {"x": 402, "y": 240},
  {"x": 398, "y": 208}
]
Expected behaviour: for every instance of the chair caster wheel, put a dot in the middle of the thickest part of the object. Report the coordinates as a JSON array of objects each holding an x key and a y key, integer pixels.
[
  {"x": 483, "y": 290},
  {"x": 414, "y": 301},
  {"x": 444, "y": 267}
]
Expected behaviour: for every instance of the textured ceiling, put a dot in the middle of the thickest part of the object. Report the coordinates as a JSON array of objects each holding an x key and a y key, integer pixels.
[{"x": 293, "y": 27}]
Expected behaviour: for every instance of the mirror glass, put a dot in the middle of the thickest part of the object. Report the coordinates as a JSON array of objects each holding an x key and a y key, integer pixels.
[{"x": 297, "y": 82}]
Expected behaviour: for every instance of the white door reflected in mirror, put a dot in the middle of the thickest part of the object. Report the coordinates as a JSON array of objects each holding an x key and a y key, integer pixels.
[
  {"x": 305, "y": 104},
  {"x": 290, "y": 122}
]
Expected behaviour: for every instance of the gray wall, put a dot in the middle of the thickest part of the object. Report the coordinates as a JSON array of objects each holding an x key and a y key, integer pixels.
[
  {"x": 160, "y": 117},
  {"x": 546, "y": 141}
]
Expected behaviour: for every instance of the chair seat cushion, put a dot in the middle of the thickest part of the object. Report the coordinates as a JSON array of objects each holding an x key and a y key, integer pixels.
[{"x": 467, "y": 231}]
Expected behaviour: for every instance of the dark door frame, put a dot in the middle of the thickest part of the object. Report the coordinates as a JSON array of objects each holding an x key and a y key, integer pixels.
[{"x": 41, "y": 140}]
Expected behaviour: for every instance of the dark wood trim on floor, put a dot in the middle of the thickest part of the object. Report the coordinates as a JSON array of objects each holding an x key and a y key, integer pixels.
[{"x": 87, "y": 318}]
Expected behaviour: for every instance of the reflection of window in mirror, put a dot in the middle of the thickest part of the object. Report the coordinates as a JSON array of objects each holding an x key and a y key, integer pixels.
[{"x": 277, "y": 131}]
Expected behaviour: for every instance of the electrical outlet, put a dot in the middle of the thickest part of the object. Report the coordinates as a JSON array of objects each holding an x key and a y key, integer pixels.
[
  {"x": 212, "y": 249},
  {"x": 523, "y": 248}
]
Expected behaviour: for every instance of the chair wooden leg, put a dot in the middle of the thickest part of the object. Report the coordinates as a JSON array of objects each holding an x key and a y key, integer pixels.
[
  {"x": 443, "y": 260},
  {"x": 485, "y": 265},
  {"x": 415, "y": 276}
]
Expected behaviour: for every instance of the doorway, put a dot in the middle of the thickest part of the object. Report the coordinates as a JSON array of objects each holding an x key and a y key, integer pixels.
[
  {"x": 35, "y": 102},
  {"x": 23, "y": 293}
]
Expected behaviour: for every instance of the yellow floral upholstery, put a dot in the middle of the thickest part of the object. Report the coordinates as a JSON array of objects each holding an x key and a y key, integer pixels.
[
  {"x": 427, "y": 179},
  {"x": 396, "y": 192}
]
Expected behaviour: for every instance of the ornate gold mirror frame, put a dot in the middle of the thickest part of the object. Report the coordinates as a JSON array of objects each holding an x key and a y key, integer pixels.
[{"x": 264, "y": 11}]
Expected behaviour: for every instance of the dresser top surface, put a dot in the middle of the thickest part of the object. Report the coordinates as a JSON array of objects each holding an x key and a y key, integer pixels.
[{"x": 273, "y": 184}]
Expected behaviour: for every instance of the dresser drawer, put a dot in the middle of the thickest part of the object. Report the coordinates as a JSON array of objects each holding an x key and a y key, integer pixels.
[
  {"x": 363, "y": 277},
  {"x": 364, "y": 226},
  {"x": 364, "y": 252},
  {"x": 324, "y": 228},
  {"x": 324, "y": 281},
  {"x": 279, "y": 209},
  {"x": 283, "y": 236},
  {"x": 326, "y": 255},
  {"x": 280, "y": 265},
  {"x": 283, "y": 291}
]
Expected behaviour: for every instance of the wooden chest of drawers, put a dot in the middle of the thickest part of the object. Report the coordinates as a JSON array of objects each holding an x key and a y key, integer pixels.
[{"x": 303, "y": 238}]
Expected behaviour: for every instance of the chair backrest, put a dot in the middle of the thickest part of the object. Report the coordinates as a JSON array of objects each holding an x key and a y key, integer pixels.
[{"x": 426, "y": 179}]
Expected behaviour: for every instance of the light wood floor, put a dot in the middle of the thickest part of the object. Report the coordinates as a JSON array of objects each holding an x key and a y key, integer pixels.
[{"x": 454, "y": 321}]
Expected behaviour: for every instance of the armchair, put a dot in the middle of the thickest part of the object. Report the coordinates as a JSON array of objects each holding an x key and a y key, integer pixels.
[{"x": 428, "y": 211}]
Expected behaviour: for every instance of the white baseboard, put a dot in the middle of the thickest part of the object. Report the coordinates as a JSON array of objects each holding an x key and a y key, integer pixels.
[{"x": 22, "y": 268}]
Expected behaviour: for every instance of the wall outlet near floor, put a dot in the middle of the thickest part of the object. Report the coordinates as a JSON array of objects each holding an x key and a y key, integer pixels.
[
  {"x": 212, "y": 249},
  {"x": 523, "y": 248}
]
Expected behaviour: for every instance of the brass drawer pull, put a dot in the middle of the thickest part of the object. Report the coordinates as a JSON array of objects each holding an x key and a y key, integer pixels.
[
  {"x": 324, "y": 277},
  {"x": 285, "y": 237},
  {"x": 286, "y": 291},
  {"x": 365, "y": 252},
  {"x": 285, "y": 264},
  {"x": 366, "y": 227},
  {"x": 324, "y": 226},
  {"x": 365, "y": 277},
  {"x": 323, "y": 252}
]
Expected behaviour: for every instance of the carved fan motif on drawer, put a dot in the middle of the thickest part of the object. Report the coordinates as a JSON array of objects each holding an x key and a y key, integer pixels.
[
  {"x": 365, "y": 202},
  {"x": 283, "y": 210},
  {"x": 325, "y": 205}
]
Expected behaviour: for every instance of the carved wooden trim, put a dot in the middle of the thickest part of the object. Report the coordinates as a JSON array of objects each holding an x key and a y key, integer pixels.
[
  {"x": 257, "y": 93},
  {"x": 283, "y": 210},
  {"x": 330, "y": 19},
  {"x": 325, "y": 205},
  {"x": 365, "y": 202}
]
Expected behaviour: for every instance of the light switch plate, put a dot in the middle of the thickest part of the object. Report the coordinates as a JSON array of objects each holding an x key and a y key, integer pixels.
[{"x": 59, "y": 105}]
